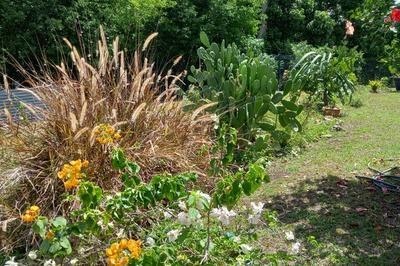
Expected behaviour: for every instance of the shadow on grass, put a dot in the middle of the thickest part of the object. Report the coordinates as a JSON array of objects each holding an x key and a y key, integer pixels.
[{"x": 351, "y": 223}]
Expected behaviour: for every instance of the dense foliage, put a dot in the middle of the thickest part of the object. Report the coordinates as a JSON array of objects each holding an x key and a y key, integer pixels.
[
  {"x": 27, "y": 32},
  {"x": 180, "y": 21}
]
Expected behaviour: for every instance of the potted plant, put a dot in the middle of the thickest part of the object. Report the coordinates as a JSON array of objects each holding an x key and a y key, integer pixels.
[{"x": 328, "y": 77}]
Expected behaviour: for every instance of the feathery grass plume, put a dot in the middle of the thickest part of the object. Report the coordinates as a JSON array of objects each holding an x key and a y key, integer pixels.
[{"x": 155, "y": 131}]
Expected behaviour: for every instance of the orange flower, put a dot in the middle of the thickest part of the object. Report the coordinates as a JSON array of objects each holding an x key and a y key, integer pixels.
[
  {"x": 72, "y": 173},
  {"x": 71, "y": 183},
  {"x": 117, "y": 252},
  {"x": 50, "y": 235},
  {"x": 135, "y": 247},
  {"x": 31, "y": 214},
  {"x": 106, "y": 134}
]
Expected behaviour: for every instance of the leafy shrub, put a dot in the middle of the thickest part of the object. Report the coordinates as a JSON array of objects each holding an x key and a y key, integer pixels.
[
  {"x": 349, "y": 60},
  {"x": 300, "y": 49},
  {"x": 135, "y": 224},
  {"x": 392, "y": 57},
  {"x": 356, "y": 103},
  {"x": 327, "y": 77},
  {"x": 93, "y": 104},
  {"x": 375, "y": 85},
  {"x": 245, "y": 89}
]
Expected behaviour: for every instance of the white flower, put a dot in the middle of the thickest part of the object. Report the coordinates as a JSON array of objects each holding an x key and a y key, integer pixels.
[
  {"x": 289, "y": 235},
  {"x": 296, "y": 247},
  {"x": 167, "y": 215},
  {"x": 206, "y": 196},
  {"x": 173, "y": 235},
  {"x": 223, "y": 215},
  {"x": 246, "y": 248},
  {"x": 49, "y": 263},
  {"x": 257, "y": 208},
  {"x": 32, "y": 254},
  {"x": 150, "y": 241},
  {"x": 237, "y": 239},
  {"x": 121, "y": 233},
  {"x": 253, "y": 219},
  {"x": 182, "y": 205},
  {"x": 11, "y": 262},
  {"x": 200, "y": 204},
  {"x": 183, "y": 219},
  {"x": 74, "y": 261},
  {"x": 100, "y": 223}
]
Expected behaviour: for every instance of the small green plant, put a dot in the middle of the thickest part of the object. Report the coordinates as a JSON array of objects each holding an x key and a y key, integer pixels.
[
  {"x": 356, "y": 103},
  {"x": 55, "y": 236},
  {"x": 327, "y": 76},
  {"x": 375, "y": 85}
]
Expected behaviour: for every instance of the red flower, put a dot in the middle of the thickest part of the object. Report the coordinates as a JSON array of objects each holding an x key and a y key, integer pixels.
[{"x": 395, "y": 16}]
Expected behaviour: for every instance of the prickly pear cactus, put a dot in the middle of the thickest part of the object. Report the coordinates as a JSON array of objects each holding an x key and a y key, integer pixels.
[{"x": 245, "y": 88}]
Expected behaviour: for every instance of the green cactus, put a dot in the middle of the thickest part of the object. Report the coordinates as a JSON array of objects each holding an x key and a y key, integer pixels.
[{"x": 246, "y": 88}]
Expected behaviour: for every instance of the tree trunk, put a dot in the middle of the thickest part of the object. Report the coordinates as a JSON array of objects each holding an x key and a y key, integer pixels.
[
  {"x": 263, "y": 28},
  {"x": 326, "y": 97}
]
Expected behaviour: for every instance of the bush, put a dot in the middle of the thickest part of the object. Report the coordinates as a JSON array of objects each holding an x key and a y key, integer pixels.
[
  {"x": 155, "y": 223},
  {"x": 245, "y": 89},
  {"x": 392, "y": 57},
  {"x": 356, "y": 103},
  {"x": 108, "y": 101},
  {"x": 375, "y": 85},
  {"x": 326, "y": 77}
]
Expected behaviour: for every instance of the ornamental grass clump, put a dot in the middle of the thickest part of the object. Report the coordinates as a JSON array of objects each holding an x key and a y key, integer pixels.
[{"x": 91, "y": 105}]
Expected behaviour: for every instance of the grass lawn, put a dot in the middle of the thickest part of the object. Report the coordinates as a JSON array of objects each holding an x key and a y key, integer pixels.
[{"x": 336, "y": 218}]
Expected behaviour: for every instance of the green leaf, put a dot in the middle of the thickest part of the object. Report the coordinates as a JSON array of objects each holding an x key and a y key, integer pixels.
[
  {"x": 118, "y": 159},
  {"x": 133, "y": 168},
  {"x": 277, "y": 97},
  {"x": 265, "y": 126},
  {"x": 193, "y": 213},
  {"x": 204, "y": 39},
  {"x": 39, "y": 227},
  {"x": 290, "y": 105},
  {"x": 59, "y": 222},
  {"x": 54, "y": 247},
  {"x": 64, "y": 242}
]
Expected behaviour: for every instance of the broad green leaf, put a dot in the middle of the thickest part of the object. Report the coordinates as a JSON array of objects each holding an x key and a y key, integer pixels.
[{"x": 204, "y": 39}]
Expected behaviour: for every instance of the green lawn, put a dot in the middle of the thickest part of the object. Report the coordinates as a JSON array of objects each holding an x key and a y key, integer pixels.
[{"x": 334, "y": 216}]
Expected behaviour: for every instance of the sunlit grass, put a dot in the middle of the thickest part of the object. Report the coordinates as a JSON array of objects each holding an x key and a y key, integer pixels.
[{"x": 317, "y": 196}]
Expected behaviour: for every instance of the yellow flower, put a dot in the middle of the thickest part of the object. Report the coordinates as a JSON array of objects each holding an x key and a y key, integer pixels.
[
  {"x": 106, "y": 134},
  {"x": 34, "y": 208},
  {"x": 30, "y": 214},
  {"x": 117, "y": 252},
  {"x": 123, "y": 243},
  {"x": 109, "y": 252},
  {"x": 85, "y": 163},
  {"x": 72, "y": 173},
  {"x": 135, "y": 247},
  {"x": 50, "y": 235},
  {"x": 27, "y": 218},
  {"x": 71, "y": 183}
]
